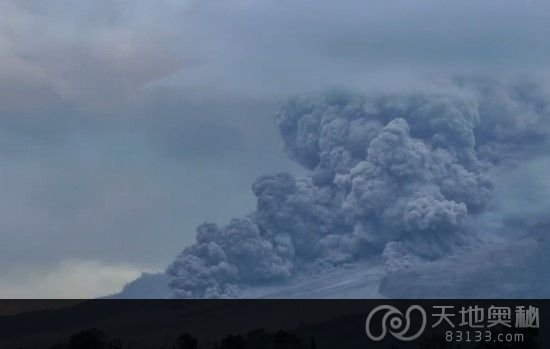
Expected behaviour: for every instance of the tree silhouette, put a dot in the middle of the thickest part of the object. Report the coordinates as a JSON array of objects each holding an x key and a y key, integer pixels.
[
  {"x": 286, "y": 340},
  {"x": 312, "y": 344},
  {"x": 233, "y": 342},
  {"x": 257, "y": 339},
  {"x": 186, "y": 341},
  {"x": 88, "y": 339}
]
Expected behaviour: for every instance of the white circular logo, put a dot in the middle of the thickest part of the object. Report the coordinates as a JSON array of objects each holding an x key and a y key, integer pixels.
[{"x": 394, "y": 318}]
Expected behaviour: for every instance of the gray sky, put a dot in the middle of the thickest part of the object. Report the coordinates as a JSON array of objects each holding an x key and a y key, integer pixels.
[{"x": 124, "y": 124}]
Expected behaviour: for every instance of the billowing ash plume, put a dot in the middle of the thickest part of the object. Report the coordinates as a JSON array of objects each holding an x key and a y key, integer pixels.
[{"x": 391, "y": 176}]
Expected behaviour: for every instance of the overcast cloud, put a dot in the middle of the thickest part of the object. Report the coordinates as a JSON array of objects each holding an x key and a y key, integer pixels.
[{"x": 122, "y": 122}]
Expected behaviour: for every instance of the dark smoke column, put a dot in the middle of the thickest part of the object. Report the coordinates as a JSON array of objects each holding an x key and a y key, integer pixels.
[{"x": 392, "y": 176}]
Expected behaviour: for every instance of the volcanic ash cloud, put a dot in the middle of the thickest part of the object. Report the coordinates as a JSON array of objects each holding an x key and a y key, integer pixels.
[{"x": 392, "y": 177}]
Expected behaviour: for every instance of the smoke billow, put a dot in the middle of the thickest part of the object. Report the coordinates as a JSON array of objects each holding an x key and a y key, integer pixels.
[{"x": 391, "y": 177}]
